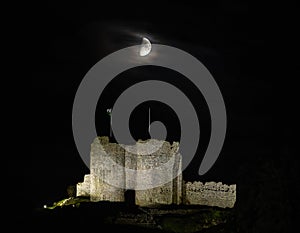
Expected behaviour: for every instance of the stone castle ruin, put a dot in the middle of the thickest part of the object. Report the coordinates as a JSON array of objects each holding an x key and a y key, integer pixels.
[{"x": 175, "y": 191}]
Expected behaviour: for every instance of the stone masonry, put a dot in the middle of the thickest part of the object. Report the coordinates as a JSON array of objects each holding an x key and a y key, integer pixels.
[
  {"x": 174, "y": 192},
  {"x": 210, "y": 194}
]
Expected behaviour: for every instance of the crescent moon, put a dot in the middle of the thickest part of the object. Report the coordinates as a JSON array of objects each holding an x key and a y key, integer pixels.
[{"x": 145, "y": 48}]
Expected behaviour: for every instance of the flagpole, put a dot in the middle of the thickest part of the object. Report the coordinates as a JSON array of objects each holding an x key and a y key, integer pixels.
[
  {"x": 149, "y": 121},
  {"x": 110, "y": 129},
  {"x": 110, "y": 121}
]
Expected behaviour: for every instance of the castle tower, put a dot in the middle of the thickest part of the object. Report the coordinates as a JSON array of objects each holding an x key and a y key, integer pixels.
[
  {"x": 101, "y": 168},
  {"x": 168, "y": 193}
]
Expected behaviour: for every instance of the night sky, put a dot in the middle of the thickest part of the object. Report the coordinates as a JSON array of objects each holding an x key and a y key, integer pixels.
[{"x": 228, "y": 37}]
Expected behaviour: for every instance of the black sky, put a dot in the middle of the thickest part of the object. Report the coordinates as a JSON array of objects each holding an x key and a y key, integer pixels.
[{"x": 228, "y": 37}]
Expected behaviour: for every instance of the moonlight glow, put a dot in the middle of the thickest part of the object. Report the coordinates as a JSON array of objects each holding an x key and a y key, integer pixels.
[{"x": 145, "y": 48}]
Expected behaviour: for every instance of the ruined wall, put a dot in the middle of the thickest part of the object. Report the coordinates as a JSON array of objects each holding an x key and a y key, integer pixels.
[
  {"x": 210, "y": 194},
  {"x": 102, "y": 152},
  {"x": 174, "y": 192},
  {"x": 83, "y": 189},
  {"x": 164, "y": 194},
  {"x": 130, "y": 163},
  {"x": 177, "y": 182}
]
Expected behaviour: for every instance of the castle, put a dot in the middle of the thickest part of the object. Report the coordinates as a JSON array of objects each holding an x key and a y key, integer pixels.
[{"x": 108, "y": 162}]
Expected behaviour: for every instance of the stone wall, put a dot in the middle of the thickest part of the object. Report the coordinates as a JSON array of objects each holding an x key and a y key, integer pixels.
[
  {"x": 164, "y": 194},
  {"x": 130, "y": 163},
  {"x": 102, "y": 152},
  {"x": 177, "y": 182},
  {"x": 175, "y": 191},
  {"x": 83, "y": 189},
  {"x": 210, "y": 194}
]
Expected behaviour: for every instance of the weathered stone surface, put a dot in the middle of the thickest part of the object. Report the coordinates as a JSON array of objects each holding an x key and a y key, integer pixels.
[
  {"x": 210, "y": 194},
  {"x": 109, "y": 160},
  {"x": 177, "y": 182},
  {"x": 102, "y": 152},
  {"x": 83, "y": 189},
  {"x": 166, "y": 193},
  {"x": 131, "y": 163}
]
